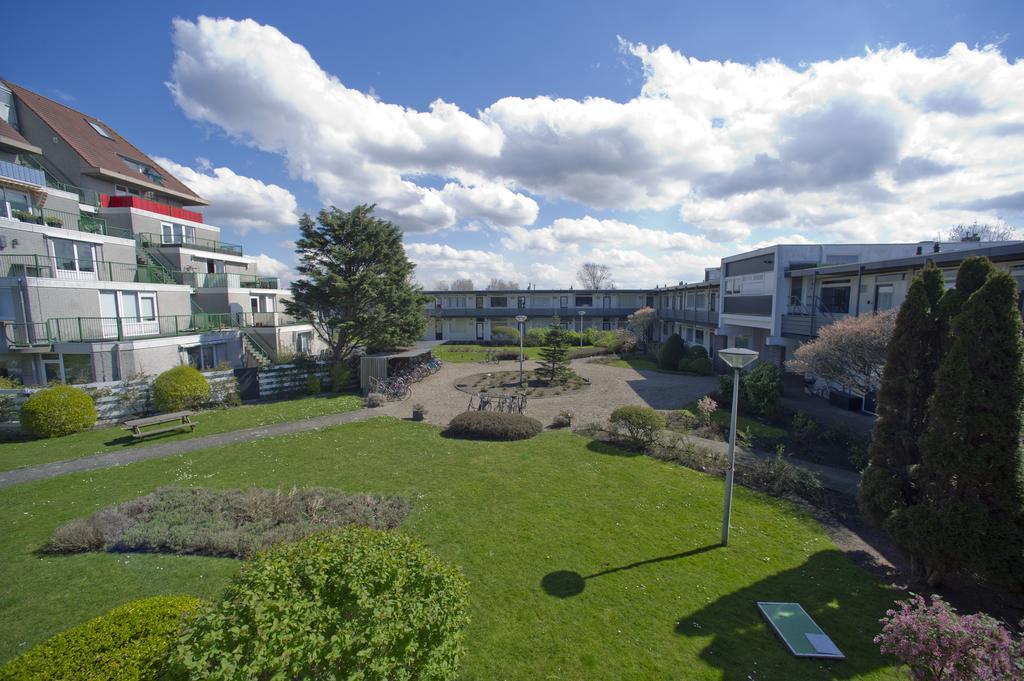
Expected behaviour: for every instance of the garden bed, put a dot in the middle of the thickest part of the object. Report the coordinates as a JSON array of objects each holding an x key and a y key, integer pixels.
[{"x": 505, "y": 382}]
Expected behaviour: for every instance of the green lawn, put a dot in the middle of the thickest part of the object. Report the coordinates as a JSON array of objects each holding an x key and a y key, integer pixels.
[
  {"x": 17, "y": 452},
  {"x": 638, "y": 363},
  {"x": 660, "y": 599},
  {"x": 757, "y": 429}
]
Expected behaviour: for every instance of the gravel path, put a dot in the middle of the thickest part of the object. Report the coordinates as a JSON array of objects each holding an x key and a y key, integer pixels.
[{"x": 610, "y": 387}]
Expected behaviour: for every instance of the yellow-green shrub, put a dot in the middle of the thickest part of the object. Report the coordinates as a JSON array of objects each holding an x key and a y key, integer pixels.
[
  {"x": 182, "y": 387},
  {"x": 129, "y": 643},
  {"x": 57, "y": 411},
  {"x": 352, "y": 603}
]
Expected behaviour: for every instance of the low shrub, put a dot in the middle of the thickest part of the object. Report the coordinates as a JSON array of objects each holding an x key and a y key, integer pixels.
[
  {"x": 492, "y": 425},
  {"x": 535, "y": 337},
  {"x": 374, "y": 400},
  {"x": 701, "y": 366},
  {"x": 182, "y": 387},
  {"x": 572, "y": 338},
  {"x": 562, "y": 420},
  {"x": 506, "y": 354},
  {"x": 683, "y": 451},
  {"x": 232, "y": 523},
  {"x": 57, "y": 411},
  {"x": 590, "y": 335},
  {"x": 129, "y": 643},
  {"x": 671, "y": 352},
  {"x": 638, "y": 425},
  {"x": 934, "y": 642},
  {"x": 313, "y": 386},
  {"x": 341, "y": 376},
  {"x": 580, "y": 353},
  {"x": 706, "y": 408},
  {"x": 8, "y": 383},
  {"x": 696, "y": 352},
  {"x": 504, "y": 334},
  {"x": 776, "y": 475},
  {"x": 763, "y": 387},
  {"x": 353, "y": 603}
]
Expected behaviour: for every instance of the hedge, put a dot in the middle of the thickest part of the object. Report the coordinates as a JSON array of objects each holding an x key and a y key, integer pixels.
[
  {"x": 346, "y": 604},
  {"x": 129, "y": 643},
  {"x": 182, "y": 387},
  {"x": 57, "y": 411},
  {"x": 492, "y": 425}
]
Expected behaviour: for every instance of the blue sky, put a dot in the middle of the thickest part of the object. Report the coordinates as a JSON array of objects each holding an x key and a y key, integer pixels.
[{"x": 653, "y": 138}]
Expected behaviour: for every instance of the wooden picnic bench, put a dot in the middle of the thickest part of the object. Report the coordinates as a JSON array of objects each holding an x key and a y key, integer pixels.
[{"x": 180, "y": 419}]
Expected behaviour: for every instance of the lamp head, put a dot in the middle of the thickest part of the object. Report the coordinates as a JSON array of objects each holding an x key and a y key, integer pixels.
[
  {"x": 520, "y": 318},
  {"x": 737, "y": 358}
]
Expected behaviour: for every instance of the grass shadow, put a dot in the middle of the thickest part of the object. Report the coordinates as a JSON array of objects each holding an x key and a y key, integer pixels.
[
  {"x": 846, "y": 609},
  {"x": 566, "y": 583},
  {"x": 611, "y": 449}
]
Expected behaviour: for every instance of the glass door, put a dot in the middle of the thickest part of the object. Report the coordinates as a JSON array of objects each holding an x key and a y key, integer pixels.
[{"x": 108, "y": 313}]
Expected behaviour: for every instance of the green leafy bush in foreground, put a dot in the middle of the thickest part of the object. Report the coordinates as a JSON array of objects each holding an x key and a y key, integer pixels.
[
  {"x": 346, "y": 604},
  {"x": 182, "y": 387},
  {"x": 639, "y": 425},
  {"x": 493, "y": 425},
  {"x": 212, "y": 522},
  {"x": 58, "y": 411},
  {"x": 129, "y": 643}
]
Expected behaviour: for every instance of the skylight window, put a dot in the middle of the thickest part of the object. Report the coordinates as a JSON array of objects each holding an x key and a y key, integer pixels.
[
  {"x": 99, "y": 128},
  {"x": 143, "y": 169}
]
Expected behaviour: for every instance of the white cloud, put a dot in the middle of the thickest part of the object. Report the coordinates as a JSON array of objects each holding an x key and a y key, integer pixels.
[
  {"x": 436, "y": 262},
  {"x": 889, "y": 145},
  {"x": 270, "y": 266},
  {"x": 241, "y": 202}
]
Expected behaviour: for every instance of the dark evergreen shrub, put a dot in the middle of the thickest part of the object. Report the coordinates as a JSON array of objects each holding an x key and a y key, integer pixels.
[
  {"x": 762, "y": 387},
  {"x": 129, "y": 643},
  {"x": 343, "y": 604},
  {"x": 492, "y": 425},
  {"x": 57, "y": 411},
  {"x": 670, "y": 352}
]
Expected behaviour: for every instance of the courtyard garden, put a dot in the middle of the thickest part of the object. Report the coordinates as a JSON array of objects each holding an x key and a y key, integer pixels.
[
  {"x": 526, "y": 522},
  {"x": 534, "y": 385}
]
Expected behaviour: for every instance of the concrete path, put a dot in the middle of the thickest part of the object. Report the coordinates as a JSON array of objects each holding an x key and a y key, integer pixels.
[{"x": 120, "y": 458}]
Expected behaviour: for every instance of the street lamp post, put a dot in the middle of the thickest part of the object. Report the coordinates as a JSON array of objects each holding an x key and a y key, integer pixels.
[
  {"x": 581, "y": 313},
  {"x": 521, "y": 319},
  {"x": 737, "y": 358}
]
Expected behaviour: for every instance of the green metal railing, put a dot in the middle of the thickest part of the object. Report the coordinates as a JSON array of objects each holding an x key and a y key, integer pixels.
[
  {"x": 79, "y": 222},
  {"x": 225, "y": 280},
  {"x": 248, "y": 319},
  {"x": 157, "y": 241},
  {"x": 98, "y": 329},
  {"x": 89, "y": 197},
  {"x": 45, "y": 266}
]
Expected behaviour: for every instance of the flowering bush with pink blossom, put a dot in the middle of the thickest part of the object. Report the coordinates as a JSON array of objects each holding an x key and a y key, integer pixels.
[
  {"x": 937, "y": 643},
  {"x": 706, "y": 407}
]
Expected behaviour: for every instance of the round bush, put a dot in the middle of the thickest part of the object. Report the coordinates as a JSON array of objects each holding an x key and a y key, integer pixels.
[
  {"x": 57, "y": 411},
  {"x": 697, "y": 352},
  {"x": 504, "y": 334},
  {"x": 763, "y": 387},
  {"x": 700, "y": 365},
  {"x": 182, "y": 387},
  {"x": 670, "y": 352},
  {"x": 535, "y": 337},
  {"x": 639, "y": 425},
  {"x": 129, "y": 643},
  {"x": 352, "y": 603},
  {"x": 493, "y": 425}
]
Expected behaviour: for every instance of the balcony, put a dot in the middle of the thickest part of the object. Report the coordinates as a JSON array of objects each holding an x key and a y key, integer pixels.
[
  {"x": 22, "y": 174},
  {"x": 226, "y": 280},
  {"x": 47, "y": 267},
  {"x": 564, "y": 312},
  {"x": 156, "y": 241},
  {"x": 109, "y": 329},
  {"x": 705, "y": 317},
  {"x": 87, "y": 196},
  {"x": 130, "y": 201},
  {"x": 78, "y": 222},
  {"x": 268, "y": 319}
]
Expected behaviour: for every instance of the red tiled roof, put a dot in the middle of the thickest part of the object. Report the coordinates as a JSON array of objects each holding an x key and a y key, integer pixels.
[
  {"x": 8, "y": 135},
  {"x": 96, "y": 150}
]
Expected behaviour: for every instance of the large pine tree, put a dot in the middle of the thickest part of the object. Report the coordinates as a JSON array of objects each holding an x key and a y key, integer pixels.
[
  {"x": 907, "y": 381},
  {"x": 554, "y": 355},
  {"x": 967, "y": 517},
  {"x": 356, "y": 285}
]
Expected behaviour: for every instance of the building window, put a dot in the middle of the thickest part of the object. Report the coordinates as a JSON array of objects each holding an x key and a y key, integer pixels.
[
  {"x": 689, "y": 334},
  {"x": 73, "y": 259},
  {"x": 698, "y": 336},
  {"x": 304, "y": 343},
  {"x": 584, "y": 301},
  {"x": 13, "y": 201},
  {"x": 499, "y": 301},
  {"x": 67, "y": 368},
  {"x": 884, "y": 297},
  {"x": 563, "y": 301},
  {"x": 205, "y": 357},
  {"x": 479, "y": 302},
  {"x": 99, "y": 128},
  {"x": 177, "y": 234},
  {"x": 741, "y": 342},
  {"x": 521, "y": 302},
  {"x": 836, "y": 299}
]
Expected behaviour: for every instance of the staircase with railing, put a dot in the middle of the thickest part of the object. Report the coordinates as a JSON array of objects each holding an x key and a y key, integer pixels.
[
  {"x": 255, "y": 350},
  {"x": 156, "y": 263}
]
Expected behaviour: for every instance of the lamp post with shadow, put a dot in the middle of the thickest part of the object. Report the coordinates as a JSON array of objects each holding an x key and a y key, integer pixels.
[
  {"x": 521, "y": 320},
  {"x": 581, "y": 313},
  {"x": 737, "y": 358}
]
